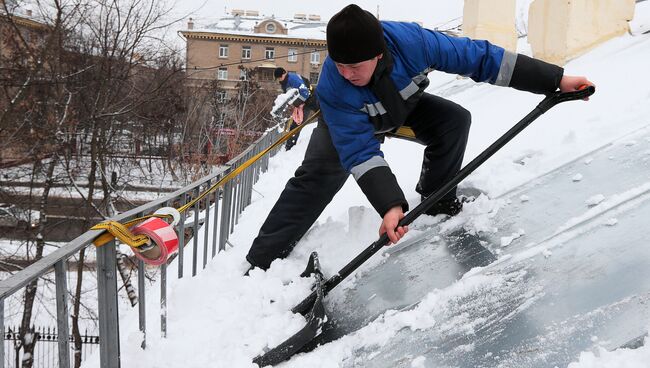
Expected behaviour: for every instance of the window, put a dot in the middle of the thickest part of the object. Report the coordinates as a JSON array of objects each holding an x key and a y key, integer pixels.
[
  {"x": 246, "y": 52},
  {"x": 270, "y": 53},
  {"x": 27, "y": 35},
  {"x": 292, "y": 55},
  {"x": 223, "y": 51},
  {"x": 222, "y": 118},
  {"x": 243, "y": 75},
  {"x": 265, "y": 74},
  {"x": 315, "y": 57},
  {"x": 270, "y": 28},
  {"x": 221, "y": 96},
  {"x": 313, "y": 77},
  {"x": 222, "y": 74}
]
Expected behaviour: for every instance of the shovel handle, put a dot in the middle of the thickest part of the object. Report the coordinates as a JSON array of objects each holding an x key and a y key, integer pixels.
[{"x": 548, "y": 102}]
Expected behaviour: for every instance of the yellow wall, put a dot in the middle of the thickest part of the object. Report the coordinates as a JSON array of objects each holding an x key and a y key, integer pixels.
[
  {"x": 559, "y": 30},
  {"x": 492, "y": 20}
]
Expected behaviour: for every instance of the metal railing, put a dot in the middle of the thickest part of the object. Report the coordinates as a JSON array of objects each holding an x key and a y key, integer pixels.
[{"x": 231, "y": 199}]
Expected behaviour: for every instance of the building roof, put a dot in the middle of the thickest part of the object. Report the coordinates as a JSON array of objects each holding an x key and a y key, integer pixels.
[
  {"x": 249, "y": 25},
  {"x": 23, "y": 17}
]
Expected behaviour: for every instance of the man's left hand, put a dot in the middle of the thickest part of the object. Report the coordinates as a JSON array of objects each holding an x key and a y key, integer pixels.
[{"x": 572, "y": 84}]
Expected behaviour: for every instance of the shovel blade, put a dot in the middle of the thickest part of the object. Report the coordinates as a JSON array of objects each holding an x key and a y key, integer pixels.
[{"x": 315, "y": 315}]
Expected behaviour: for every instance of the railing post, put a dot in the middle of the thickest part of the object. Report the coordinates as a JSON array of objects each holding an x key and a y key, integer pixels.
[
  {"x": 60, "y": 271},
  {"x": 215, "y": 223},
  {"x": 2, "y": 332},
  {"x": 109, "y": 343},
  {"x": 232, "y": 204},
  {"x": 163, "y": 295},
  {"x": 142, "y": 312},
  {"x": 163, "y": 300},
  {"x": 249, "y": 186},
  {"x": 225, "y": 215},
  {"x": 235, "y": 203},
  {"x": 249, "y": 190},
  {"x": 181, "y": 238},
  {"x": 206, "y": 225},
  {"x": 195, "y": 232}
]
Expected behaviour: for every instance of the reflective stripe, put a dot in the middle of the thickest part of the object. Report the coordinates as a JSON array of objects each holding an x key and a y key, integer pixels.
[
  {"x": 506, "y": 69},
  {"x": 374, "y": 109},
  {"x": 301, "y": 98},
  {"x": 411, "y": 89},
  {"x": 375, "y": 161},
  {"x": 421, "y": 77}
]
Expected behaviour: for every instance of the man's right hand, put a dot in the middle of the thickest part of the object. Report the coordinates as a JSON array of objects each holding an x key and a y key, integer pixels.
[
  {"x": 389, "y": 224},
  {"x": 297, "y": 114}
]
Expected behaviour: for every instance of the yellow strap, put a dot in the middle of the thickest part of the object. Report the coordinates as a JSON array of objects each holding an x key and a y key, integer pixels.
[
  {"x": 288, "y": 125},
  {"x": 404, "y": 132},
  {"x": 250, "y": 161},
  {"x": 115, "y": 229}
]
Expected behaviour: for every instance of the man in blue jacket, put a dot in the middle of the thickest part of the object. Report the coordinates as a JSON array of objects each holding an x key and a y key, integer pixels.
[
  {"x": 372, "y": 83},
  {"x": 305, "y": 102}
]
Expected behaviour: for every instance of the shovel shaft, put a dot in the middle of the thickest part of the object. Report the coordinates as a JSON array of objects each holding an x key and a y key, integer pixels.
[{"x": 542, "y": 107}]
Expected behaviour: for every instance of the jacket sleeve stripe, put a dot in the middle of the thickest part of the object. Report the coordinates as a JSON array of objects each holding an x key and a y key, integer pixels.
[
  {"x": 409, "y": 90},
  {"x": 506, "y": 69},
  {"x": 374, "y": 109},
  {"x": 373, "y": 162}
]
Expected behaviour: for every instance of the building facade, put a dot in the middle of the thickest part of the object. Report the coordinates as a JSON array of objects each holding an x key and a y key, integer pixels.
[{"x": 246, "y": 39}]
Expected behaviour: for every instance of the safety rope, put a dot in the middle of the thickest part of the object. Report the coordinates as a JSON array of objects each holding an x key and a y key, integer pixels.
[{"x": 114, "y": 229}]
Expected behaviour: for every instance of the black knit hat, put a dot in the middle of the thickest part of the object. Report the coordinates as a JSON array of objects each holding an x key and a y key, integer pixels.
[
  {"x": 277, "y": 73},
  {"x": 354, "y": 35}
]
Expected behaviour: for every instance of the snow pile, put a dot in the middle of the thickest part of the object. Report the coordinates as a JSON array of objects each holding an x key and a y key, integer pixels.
[{"x": 283, "y": 100}]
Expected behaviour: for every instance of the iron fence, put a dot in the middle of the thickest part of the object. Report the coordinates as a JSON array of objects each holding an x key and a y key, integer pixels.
[
  {"x": 46, "y": 349},
  {"x": 220, "y": 209}
]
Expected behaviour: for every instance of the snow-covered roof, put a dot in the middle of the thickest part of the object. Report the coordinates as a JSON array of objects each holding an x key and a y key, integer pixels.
[
  {"x": 25, "y": 17},
  {"x": 245, "y": 25}
]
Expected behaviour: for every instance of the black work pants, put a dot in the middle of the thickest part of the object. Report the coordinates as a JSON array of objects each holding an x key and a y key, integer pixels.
[{"x": 441, "y": 125}]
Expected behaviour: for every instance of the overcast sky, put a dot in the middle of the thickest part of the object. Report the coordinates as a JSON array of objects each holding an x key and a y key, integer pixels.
[{"x": 430, "y": 13}]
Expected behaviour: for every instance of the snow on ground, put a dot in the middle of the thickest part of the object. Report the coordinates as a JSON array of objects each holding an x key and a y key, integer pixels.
[
  {"x": 220, "y": 318},
  {"x": 620, "y": 358}
]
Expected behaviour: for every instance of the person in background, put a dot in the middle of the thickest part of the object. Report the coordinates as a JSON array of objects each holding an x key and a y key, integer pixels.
[
  {"x": 373, "y": 81},
  {"x": 303, "y": 106}
]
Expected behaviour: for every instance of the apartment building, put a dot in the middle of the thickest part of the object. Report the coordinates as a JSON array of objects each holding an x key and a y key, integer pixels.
[
  {"x": 244, "y": 37},
  {"x": 32, "y": 30}
]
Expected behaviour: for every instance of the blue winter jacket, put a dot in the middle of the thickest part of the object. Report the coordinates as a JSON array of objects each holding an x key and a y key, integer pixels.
[
  {"x": 355, "y": 115},
  {"x": 293, "y": 80}
]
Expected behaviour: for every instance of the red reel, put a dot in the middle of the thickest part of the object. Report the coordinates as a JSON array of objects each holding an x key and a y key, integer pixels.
[{"x": 164, "y": 241}]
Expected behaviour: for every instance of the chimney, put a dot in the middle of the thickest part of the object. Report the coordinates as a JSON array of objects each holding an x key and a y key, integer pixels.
[{"x": 190, "y": 24}]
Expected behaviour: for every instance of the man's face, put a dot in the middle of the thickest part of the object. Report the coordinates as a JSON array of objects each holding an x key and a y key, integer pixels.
[
  {"x": 359, "y": 74},
  {"x": 281, "y": 78}
]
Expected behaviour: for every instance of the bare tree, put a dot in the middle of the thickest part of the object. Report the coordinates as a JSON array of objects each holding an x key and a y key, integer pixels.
[
  {"x": 247, "y": 111},
  {"x": 85, "y": 72}
]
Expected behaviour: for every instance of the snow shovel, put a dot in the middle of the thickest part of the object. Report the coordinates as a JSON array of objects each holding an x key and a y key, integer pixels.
[{"x": 312, "y": 306}]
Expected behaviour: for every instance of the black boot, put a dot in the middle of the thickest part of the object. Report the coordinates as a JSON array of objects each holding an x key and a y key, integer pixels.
[{"x": 449, "y": 207}]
